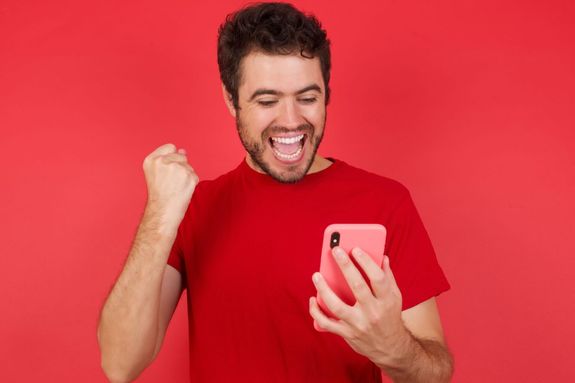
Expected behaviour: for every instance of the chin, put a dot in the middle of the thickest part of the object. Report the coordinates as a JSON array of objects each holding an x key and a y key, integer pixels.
[
  {"x": 288, "y": 172},
  {"x": 280, "y": 157}
]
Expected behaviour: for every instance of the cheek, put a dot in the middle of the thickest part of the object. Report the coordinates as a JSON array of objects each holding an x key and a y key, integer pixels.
[
  {"x": 258, "y": 122},
  {"x": 316, "y": 117}
]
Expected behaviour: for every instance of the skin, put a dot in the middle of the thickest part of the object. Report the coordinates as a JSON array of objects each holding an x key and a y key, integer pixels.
[{"x": 279, "y": 96}]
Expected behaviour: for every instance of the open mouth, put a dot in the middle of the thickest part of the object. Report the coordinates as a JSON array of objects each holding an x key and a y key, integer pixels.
[{"x": 288, "y": 149}]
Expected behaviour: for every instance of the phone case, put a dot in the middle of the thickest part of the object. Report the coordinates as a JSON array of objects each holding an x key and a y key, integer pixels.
[{"x": 369, "y": 237}]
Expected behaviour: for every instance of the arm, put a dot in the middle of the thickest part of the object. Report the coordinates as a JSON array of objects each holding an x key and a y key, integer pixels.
[
  {"x": 423, "y": 356},
  {"x": 136, "y": 313}
]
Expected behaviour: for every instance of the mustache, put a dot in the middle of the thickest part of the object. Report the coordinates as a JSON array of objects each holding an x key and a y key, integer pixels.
[{"x": 274, "y": 130}]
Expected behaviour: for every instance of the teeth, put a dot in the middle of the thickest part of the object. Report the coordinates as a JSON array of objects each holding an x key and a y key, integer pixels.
[
  {"x": 290, "y": 140},
  {"x": 288, "y": 156}
]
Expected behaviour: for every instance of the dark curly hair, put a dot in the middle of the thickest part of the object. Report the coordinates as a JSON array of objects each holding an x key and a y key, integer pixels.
[{"x": 275, "y": 28}]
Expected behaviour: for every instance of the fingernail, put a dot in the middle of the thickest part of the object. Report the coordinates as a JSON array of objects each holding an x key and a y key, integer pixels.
[{"x": 315, "y": 278}]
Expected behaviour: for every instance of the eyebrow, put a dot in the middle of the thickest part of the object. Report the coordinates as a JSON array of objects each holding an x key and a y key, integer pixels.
[{"x": 273, "y": 92}]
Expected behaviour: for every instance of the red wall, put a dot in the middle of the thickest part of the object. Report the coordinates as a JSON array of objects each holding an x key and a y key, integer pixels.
[{"x": 469, "y": 104}]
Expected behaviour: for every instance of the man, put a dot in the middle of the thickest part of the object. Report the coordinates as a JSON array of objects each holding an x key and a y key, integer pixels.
[{"x": 246, "y": 245}]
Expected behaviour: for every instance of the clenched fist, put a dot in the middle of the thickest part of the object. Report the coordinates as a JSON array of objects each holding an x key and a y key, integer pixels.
[{"x": 171, "y": 182}]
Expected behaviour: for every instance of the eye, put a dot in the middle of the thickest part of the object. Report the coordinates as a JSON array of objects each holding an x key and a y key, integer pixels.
[
  {"x": 266, "y": 102},
  {"x": 308, "y": 100}
]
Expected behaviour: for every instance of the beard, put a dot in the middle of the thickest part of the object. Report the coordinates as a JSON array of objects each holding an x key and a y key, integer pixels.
[{"x": 257, "y": 148}]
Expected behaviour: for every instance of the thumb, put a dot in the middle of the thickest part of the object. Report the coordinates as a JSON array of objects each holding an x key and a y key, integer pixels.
[
  {"x": 388, "y": 273},
  {"x": 164, "y": 149}
]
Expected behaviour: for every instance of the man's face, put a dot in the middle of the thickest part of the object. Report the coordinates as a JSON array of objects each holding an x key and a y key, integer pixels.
[{"x": 282, "y": 113}]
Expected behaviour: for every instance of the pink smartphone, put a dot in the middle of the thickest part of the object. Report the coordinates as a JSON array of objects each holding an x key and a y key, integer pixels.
[{"x": 369, "y": 237}]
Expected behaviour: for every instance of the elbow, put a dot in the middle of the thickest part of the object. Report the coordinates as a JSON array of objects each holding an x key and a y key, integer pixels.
[
  {"x": 115, "y": 369},
  {"x": 444, "y": 372},
  {"x": 111, "y": 373},
  {"x": 121, "y": 361},
  {"x": 449, "y": 368},
  {"x": 121, "y": 370},
  {"x": 115, "y": 374}
]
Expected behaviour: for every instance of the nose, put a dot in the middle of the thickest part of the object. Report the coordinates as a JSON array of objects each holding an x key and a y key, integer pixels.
[{"x": 290, "y": 115}]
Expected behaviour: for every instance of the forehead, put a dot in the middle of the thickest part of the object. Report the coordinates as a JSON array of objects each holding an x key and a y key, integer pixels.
[{"x": 285, "y": 73}]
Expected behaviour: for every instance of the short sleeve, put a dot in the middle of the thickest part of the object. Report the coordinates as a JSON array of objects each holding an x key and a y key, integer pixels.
[
  {"x": 412, "y": 257},
  {"x": 176, "y": 257},
  {"x": 182, "y": 249}
]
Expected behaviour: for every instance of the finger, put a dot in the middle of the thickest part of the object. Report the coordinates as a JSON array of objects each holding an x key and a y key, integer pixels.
[
  {"x": 182, "y": 151},
  {"x": 164, "y": 149},
  {"x": 373, "y": 271},
  {"x": 325, "y": 323},
  {"x": 338, "y": 307},
  {"x": 389, "y": 275},
  {"x": 358, "y": 285},
  {"x": 190, "y": 169},
  {"x": 174, "y": 157}
]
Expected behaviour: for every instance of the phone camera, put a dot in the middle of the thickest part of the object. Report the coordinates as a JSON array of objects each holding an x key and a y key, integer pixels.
[{"x": 334, "y": 241}]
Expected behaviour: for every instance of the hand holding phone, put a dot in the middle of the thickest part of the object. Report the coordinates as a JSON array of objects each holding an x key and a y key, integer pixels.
[{"x": 368, "y": 237}]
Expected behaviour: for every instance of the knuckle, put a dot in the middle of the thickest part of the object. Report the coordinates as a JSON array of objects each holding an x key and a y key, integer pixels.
[
  {"x": 358, "y": 286},
  {"x": 374, "y": 319},
  {"x": 386, "y": 304},
  {"x": 321, "y": 322},
  {"x": 149, "y": 158},
  {"x": 393, "y": 304},
  {"x": 379, "y": 278},
  {"x": 345, "y": 261},
  {"x": 169, "y": 160},
  {"x": 190, "y": 176},
  {"x": 338, "y": 311},
  {"x": 360, "y": 329},
  {"x": 156, "y": 160},
  {"x": 353, "y": 336}
]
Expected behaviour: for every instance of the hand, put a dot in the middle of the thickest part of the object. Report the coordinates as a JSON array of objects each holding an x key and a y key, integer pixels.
[
  {"x": 171, "y": 182},
  {"x": 372, "y": 326}
]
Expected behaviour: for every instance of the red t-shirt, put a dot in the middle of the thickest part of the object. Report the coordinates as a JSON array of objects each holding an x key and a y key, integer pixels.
[{"x": 247, "y": 248}]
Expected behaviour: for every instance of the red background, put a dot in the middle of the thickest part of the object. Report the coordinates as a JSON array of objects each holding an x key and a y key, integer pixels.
[{"x": 469, "y": 104}]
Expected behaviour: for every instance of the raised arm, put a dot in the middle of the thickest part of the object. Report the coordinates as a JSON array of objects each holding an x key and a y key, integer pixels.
[{"x": 137, "y": 311}]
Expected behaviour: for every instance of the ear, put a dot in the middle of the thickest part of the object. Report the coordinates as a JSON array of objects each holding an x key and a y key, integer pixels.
[{"x": 228, "y": 101}]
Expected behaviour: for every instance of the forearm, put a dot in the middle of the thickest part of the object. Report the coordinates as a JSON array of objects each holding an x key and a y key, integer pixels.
[
  {"x": 128, "y": 327},
  {"x": 419, "y": 360}
]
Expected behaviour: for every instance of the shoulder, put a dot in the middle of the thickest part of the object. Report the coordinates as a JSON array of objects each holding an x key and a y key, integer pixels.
[
  {"x": 209, "y": 192},
  {"x": 378, "y": 183},
  {"x": 211, "y": 187}
]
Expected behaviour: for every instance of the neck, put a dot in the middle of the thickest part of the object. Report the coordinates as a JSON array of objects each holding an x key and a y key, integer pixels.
[{"x": 319, "y": 163}]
